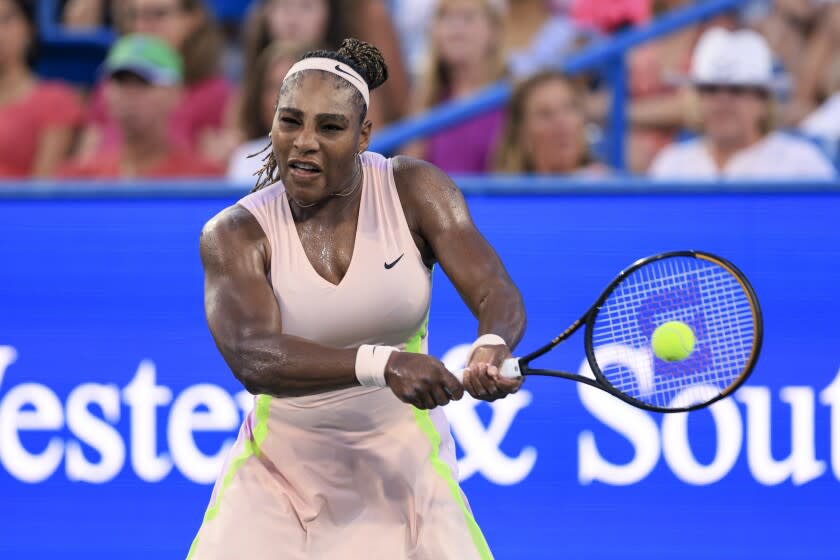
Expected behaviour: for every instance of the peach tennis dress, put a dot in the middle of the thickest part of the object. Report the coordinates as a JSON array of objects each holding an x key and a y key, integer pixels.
[{"x": 354, "y": 473}]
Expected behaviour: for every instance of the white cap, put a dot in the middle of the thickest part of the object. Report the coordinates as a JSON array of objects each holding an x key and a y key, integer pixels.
[{"x": 738, "y": 58}]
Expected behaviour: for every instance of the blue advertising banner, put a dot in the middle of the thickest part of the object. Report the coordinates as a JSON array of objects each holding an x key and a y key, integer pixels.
[{"x": 116, "y": 410}]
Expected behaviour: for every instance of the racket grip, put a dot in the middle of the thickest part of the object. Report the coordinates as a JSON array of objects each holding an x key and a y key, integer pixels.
[{"x": 509, "y": 369}]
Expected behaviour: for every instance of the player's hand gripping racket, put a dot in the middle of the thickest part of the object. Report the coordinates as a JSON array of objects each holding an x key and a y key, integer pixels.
[{"x": 673, "y": 332}]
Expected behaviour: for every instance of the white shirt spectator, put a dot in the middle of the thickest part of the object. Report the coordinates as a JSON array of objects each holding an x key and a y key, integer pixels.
[
  {"x": 825, "y": 121},
  {"x": 241, "y": 168},
  {"x": 776, "y": 156}
]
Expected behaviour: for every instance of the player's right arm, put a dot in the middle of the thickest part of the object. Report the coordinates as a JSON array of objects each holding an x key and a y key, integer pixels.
[
  {"x": 246, "y": 324},
  {"x": 245, "y": 321}
]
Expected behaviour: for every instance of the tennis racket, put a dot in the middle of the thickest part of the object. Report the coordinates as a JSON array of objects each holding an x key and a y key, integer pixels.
[{"x": 700, "y": 290}]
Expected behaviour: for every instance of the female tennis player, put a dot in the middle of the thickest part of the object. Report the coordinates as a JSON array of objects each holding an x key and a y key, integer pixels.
[{"x": 317, "y": 290}]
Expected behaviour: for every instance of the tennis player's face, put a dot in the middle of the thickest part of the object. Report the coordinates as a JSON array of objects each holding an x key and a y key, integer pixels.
[
  {"x": 273, "y": 81},
  {"x": 316, "y": 136}
]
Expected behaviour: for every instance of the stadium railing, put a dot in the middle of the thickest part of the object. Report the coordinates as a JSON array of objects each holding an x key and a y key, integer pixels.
[
  {"x": 474, "y": 185},
  {"x": 608, "y": 56}
]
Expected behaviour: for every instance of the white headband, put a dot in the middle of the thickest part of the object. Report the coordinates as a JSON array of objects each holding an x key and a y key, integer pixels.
[{"x": 333, "y": 67}]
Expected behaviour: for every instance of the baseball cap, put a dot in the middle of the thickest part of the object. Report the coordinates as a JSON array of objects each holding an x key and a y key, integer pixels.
[
  {"x": 737, "y": 58},
  {"x": 146, "y": 56}
]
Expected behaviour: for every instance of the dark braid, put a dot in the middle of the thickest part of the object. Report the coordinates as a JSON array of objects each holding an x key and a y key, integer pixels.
[
  {"x": 362, "y": 57},
  {"x": 365, "y": 59}
]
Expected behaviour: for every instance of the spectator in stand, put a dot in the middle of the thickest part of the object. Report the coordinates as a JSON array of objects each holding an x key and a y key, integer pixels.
[
  {"x": 86, "y": 14},
  {"x": 325, "y": 24},
  {"x": 188, "y": 27},
  {"x": 541, "y": 33},
  {"x": 413, "y": 22},
  {"x": 538, "y": 34},
  {"x": 733, "y": 74},
  {"x": 824, "y": 122},
  {"x": 660, "y": 104},
  {"x": 466, "y": 56},
  {"x": 37, "y": 118},
  {"x": 142, "y": 90},
  {"x": 545, "y": 132},
  {"x": 803, "y": 33},
  {"x": 816, "y": 100},
  {"x": 257, "y": 107}
]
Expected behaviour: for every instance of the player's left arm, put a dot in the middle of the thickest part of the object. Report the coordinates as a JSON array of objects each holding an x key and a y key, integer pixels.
[{"x": 438, "y": 217}]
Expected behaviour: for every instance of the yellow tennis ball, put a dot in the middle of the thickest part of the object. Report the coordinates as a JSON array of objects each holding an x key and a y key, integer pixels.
[{"x": 672, "y": 341}]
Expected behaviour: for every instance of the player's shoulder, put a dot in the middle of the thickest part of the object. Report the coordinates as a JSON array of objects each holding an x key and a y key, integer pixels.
[
  {"x": 419, "y": 178},
  {"x": 262, "y": 196},
  {"x": 407, "y": 167},
  {"x": 428, "y": 196},
  {"x": 230, "y": 230}
]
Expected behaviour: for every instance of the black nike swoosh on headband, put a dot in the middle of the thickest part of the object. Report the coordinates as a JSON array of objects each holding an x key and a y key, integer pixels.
[{"x": 338, "y": 67}]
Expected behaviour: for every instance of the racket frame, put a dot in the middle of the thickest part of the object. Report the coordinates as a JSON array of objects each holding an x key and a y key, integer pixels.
[{"x": 587, "y": 320}]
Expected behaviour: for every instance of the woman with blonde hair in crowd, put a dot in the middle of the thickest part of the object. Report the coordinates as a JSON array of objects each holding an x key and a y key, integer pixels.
[
  {"x": 39, "y": 118},
  {"x": 466, "y": 55},
  {"x": 189, "y": 28},
  {"x": 545, "y": 132},
  {"x": 256, "y": 106},
  {"x": 325, "y": 24}
]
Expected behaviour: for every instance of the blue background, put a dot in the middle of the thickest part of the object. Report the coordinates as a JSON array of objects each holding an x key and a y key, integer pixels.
[{"x": 90, "y": 287}]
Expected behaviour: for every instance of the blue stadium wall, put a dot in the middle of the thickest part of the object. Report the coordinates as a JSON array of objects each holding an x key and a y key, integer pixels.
[{"x": 116, "y": 409}]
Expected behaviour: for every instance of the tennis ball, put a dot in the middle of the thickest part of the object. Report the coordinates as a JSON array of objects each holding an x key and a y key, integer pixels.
[{"x": 672, "y": 341}]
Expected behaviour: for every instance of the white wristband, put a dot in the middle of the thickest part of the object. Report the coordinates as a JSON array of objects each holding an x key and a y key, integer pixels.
[
  {"x": 370, "y": 364},
  {"x": 484, "y": 340}
]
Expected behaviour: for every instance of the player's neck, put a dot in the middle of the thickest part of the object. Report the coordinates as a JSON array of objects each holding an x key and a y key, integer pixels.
[
  {"x": 332, "y": 210},
  {"x": 343, "y": 204}
]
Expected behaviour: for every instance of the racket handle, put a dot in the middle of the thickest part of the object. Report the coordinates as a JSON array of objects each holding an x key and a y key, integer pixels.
[{"x": 509, "y": 369}]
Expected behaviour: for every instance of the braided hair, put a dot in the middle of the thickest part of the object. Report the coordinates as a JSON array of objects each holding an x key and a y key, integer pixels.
[{"x": 362, "y": 57}]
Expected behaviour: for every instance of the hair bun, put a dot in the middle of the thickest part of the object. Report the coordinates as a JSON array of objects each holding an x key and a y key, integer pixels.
[{"x": 366, "y": 58}]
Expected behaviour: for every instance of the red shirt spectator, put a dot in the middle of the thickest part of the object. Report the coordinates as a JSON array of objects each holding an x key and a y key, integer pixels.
[
  {"x": 144, "y": 77},
  {"x": 181, "y": 164},
  {"x": 200, "y": 110},
  {"x": 37, "y": 119},
  {"x": 48, "y": 106},
  {"x": 189, "y": 28}
]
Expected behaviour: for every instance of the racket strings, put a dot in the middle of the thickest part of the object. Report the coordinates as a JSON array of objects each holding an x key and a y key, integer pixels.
[{"x": 700, "y": 293}]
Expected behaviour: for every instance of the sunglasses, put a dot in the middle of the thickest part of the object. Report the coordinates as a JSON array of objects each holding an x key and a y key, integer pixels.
[{"x": 735, "y": 90}]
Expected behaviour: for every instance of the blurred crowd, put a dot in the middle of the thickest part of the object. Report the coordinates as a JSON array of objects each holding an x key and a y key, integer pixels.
[{"x": 751, "y": 93}]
